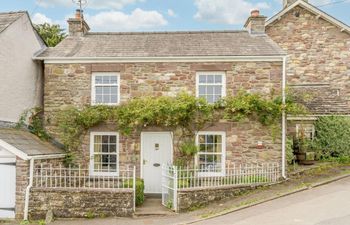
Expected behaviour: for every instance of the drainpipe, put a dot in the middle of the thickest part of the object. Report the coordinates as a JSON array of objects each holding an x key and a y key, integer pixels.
[
  {"x": 284, "y": 118},
  {"x": 26, "y": 201}
]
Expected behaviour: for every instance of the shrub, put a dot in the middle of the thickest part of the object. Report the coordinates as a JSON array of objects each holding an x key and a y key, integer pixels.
[
  {"x": 140, "y": 187},
  {"x": 332, "y": 137},
  {"x": 289, "y": 151}
]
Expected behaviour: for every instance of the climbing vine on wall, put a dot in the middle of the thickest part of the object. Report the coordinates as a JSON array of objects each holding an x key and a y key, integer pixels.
[{"x": 184, "y": 112}]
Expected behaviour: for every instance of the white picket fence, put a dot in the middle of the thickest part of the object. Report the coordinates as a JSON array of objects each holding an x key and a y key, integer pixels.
[
  {"x": 175, "y": 179},
  {"x": 60, "y": 177}
]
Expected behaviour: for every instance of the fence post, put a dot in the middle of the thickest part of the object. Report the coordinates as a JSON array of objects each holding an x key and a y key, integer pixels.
[
  {"x": 175, "y": 189},
  {"x": 134, "y": 188}
]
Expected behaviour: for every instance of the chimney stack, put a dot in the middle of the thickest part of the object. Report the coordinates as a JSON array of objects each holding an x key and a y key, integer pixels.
[
  {"x": 255, "y": 23},
  {"x": 287, "y": 3},
  {"x": 77, "y": 25}
]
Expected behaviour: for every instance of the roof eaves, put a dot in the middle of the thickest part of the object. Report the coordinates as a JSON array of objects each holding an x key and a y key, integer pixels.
[{"x": 314, "y": 10}]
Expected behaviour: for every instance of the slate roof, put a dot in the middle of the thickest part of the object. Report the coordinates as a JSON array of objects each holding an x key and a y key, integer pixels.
[
  {"x": 27, "y": 142},
  {"x": 322, "y": 100},
  {"x": 164, "y": 44},
  {"x": 7, "y": 18}
]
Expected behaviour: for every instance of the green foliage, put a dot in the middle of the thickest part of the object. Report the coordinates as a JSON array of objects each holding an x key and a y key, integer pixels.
[
  {"x": 332, "y": 136},
  {"x": 140, "y": 187},
  {"x": 290, "y": 157},
  {"x": 41, "y": 222},
  {"x": 51, "y": 34},
  {"x": 35, "y": 123},
  {"x": 267, "y": 111},
  {"x": 90, "y": 215},
  {"x": 184, "y": 112},
  {"x": 188, "y": 149}
]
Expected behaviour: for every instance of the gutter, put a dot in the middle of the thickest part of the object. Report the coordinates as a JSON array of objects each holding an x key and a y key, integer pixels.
[
  {"x": 284, "y": 118},
  {"x": 26, "y": 201},
  {"x": 31, "y": 175},
  {"x": 268, "y": 58}
]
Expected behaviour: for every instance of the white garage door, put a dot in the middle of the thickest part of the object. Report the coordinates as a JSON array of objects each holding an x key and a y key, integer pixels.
[{"x": 7, "y": 184}]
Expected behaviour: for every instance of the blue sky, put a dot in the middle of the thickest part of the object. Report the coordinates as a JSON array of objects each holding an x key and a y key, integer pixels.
[{"x": 155, "y": 15}]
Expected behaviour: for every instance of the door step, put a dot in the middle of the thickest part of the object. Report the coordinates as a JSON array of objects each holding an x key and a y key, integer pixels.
[{"x": 152, "y": 207}]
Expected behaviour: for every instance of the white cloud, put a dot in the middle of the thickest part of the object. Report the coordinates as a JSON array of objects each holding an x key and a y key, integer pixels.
[
  {"x": 39, "y": 18},
  {"x": 171, "y": 13},
  {"x": 120, "y": 21},
  {"x": 93, "y": 4},
  {"x": 226, "y": 11}
]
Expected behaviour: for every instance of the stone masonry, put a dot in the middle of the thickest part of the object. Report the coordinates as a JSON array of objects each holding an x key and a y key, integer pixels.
[
  {"x": 70, "y": 84},
  {"x": 318, "y": 51},
  {"x": 73, "y": 203}
]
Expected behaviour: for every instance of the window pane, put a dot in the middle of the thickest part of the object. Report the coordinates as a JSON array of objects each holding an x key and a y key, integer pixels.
[
  {"x": 218, "y": 79},
  {"x": 99, "y": 90},
  {"x": 114, "y": 80},
  {"x": 114, "y": 90},
  {"x": 202, "y": 90},
  {"x": 113, "y": 139},
  {"x": 112, "y": 148},
  {"x": 97, "y": 148},
  {"x": 202, "y": 79},
  {"x": 210, "y": 79},
  {"x": 106, "y": 79},
  {"x": 114, "y": 99},
  {"x": 210, "y": 98},
  {"x": 97, "y": 139},
  {"x": 105, "y": 148},
  {"x": 98, "y": 80},
  {"x": 210, "y": 90},
  {"x": 105, "y": 139},
  {"x": 217, "y": 90}
]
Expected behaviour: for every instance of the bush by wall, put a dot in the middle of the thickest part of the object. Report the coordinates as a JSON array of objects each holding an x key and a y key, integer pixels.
[{"x": 332, "y": 136}]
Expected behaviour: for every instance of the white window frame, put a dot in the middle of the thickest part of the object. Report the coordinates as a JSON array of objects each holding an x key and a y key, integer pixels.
[
  {"x": 223, "y": 155},
  {"x": 299, "y": 126},
  {"x": 92, "y": 153},
  {"x": 93, "y": 85},
  {"x": 223, "y": 83}
]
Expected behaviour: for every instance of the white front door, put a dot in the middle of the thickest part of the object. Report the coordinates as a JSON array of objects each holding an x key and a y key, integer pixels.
[
  {"x": 7, "y": 184},
  {"x": 156, "y": 151}
]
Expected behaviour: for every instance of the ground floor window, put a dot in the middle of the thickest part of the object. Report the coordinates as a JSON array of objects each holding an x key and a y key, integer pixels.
[
  {"x": 104, "y": 153},
  {"x": 211, "y": 156}
]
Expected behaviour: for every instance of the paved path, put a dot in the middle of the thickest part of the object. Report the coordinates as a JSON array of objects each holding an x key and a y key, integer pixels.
[{"x": 325, "y": 205}]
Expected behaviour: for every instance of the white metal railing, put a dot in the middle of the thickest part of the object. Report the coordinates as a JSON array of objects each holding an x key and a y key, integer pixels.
[
  {"x": 175, "y": 178},
  {"x": 79, "y": 178}
]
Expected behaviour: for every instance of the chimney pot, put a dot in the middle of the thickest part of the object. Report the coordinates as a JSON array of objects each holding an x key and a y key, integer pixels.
[
  {"x": 255, "y": 13},
  {"x": 255, "y": 23},
  {"x": 78, "y": 14},
  {"x": 77, "y": 25}
]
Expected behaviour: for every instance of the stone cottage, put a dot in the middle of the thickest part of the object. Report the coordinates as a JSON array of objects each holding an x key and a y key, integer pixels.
[
  {"x": 89, "y": 68},
  {"x": 318, "y": 48}
]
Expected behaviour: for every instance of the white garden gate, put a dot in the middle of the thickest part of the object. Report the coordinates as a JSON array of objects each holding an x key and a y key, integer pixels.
[{"x": 7, "y": 184}]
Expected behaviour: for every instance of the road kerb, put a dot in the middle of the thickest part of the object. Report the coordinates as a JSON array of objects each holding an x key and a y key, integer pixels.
[{"x": 268, "y": 199}]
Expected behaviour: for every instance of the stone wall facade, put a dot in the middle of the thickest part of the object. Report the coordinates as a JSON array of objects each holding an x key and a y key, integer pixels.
[
  {"x": 318, "y": 51},
  {"x": 82, "y": 203},
  {"x": 70, "y": 85},
  {"x": 22, "y": 180}
]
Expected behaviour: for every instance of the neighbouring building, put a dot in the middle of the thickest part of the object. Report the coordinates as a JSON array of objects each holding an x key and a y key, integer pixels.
[
  {"x": 318, "y": 48},
  {"x": 20, "y": 76},
  {"x": 21, "y": 88}
]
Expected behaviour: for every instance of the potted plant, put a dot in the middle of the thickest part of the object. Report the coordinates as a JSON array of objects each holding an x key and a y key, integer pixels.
[{"x": 303, "y": 151}]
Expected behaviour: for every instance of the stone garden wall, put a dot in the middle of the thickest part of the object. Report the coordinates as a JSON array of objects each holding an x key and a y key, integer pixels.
[
  {"x": 194, "y": 198},
  {"x": 71, "y": 203}
]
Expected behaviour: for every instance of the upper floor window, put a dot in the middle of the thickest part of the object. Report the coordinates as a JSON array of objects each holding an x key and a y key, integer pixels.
[
  {"x": 105, "y": 89},
  {"x": 211, "y": 86}
]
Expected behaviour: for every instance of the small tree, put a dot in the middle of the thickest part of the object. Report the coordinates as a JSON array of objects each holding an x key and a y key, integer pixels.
[{"x": 51, "y": 34}]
